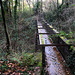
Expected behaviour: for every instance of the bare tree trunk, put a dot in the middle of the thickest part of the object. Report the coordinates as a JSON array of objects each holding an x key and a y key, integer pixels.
[
  {"x": 41, "y": 13},
  {"x": 15, "y": 17},
  {"x": 19, "y": 5},
  {"x": 5, "y": 28},
  {"x": 67, "y": 3},
  {"x": 6, "y": 6},
  {"x": 33, "y": 2},
  {"x": 23, "y": 5},
  {"x": 10, "y": 10},
  {"x": 57, "y": 4},
  {"x": 62, "y": 2},
  {"x": 12, "y": 4},
  {"x": 37, "y": 6},
  {"x": 41, "y": 5}
]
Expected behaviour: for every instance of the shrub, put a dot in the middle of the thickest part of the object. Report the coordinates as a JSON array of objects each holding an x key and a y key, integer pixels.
[
  {"x": 31, "y": 59},
  {"x": 71, "y": 62}
]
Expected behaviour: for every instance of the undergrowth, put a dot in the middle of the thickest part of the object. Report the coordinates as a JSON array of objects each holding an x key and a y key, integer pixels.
[
  {"x": 71, "y": 62},
  {"x": 62, "y": 19},
  {"x": 22, "y": 50}
]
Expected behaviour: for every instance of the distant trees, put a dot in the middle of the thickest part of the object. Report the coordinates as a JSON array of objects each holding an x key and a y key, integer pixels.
[
  {"x": 62, "y": 2},
  {"x": 57, "y": 4},
  {"x": 12, "y": 4},
  {"x": 71, "y": 1},
  {"x": 11, "y": 8},
  {"x": 7, "y": 6},
  {"x": 66, "y": 2},
  {"x": 28, "y": 1},
  {"x": 41, "y": 5},
  {"x": 36, "y": 7}
]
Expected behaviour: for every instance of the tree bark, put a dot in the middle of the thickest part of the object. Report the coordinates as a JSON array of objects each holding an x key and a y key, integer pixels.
[
  {"x": 23, "y": 5},
  {"x": 5, "y": 28},
  {"x": 10, "y": 9},
  {"x": 57, "y": 4},
  {"x": 62, "y": 2},
  {"x": 37, "y": 6},
  {"x": 12, "y": 4},
  {"x": 19, "y": 5},
  {"x": 15, "y": 17},
  {"x": 41, "y": 5},
  {"x": 6, "y": 5}
]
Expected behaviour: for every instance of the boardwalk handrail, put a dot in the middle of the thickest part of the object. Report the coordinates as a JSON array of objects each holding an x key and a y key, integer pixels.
[
  {"x": 55, "y": 45},
  {"x": 41, "y": 42},
  {"x": 48, "y": 33}
]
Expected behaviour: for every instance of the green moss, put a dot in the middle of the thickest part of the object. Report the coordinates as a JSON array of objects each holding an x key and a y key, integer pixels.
[
  {"x": 72, "y": 5},
  {"x": 67, "y": 41},
  {"x": 62, "y": 37},
  {"x": 32, "y": 59},
  {"x": 42, "y": 39}
]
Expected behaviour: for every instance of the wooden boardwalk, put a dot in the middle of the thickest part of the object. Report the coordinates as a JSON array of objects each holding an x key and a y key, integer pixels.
[{"x": 54, "y": 61}]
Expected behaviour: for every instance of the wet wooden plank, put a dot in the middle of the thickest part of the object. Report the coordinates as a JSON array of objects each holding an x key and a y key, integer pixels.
[{"x": 54, "y": 59}]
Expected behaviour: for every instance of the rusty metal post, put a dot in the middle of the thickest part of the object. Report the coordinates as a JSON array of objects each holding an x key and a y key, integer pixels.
[
  {"x": 36, "y": 37},
  {"x": 43, "y": 60},
  {"x": 43, "y": 56},
  {"x": 35, "y": 41}
]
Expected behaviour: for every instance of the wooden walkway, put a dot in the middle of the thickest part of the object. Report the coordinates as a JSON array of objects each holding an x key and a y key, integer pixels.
[{"x": 54, "y": 61}]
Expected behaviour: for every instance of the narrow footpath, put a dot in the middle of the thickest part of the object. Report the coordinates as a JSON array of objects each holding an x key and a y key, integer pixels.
[{"x": 54, "y": 60}]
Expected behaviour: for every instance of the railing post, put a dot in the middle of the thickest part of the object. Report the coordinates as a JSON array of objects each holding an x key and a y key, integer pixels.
[
  {"x": 43, "y": 56},
  {"x": 43, "y": 60},
  {"x": 36, "y": 31},
  {"x": 35, "y": 41}
]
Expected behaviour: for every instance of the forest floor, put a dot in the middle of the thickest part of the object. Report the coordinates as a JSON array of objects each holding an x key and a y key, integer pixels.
[
  {"x": 15, "y": 68},
  {"x": 22, "y": 60}
]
